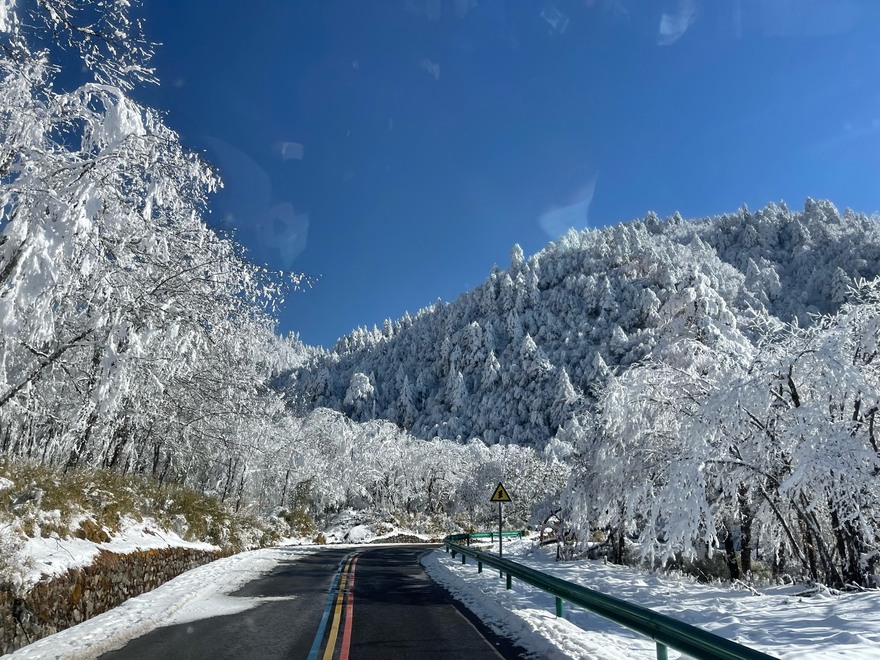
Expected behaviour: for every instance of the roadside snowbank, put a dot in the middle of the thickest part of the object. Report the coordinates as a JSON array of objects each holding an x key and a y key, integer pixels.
[
  {"x": 778, "y": 621},
  {"x": 53, "y": 555}
]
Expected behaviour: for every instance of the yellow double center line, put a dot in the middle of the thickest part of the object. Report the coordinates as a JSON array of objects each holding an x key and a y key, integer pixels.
[
  {"x": 337, "y": 612},
  {"x": 341, "y": 591}
]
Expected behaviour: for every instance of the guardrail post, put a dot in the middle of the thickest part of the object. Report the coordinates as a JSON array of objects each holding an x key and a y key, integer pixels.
[
  {"x": 479, "y": 567},
  {"x": 509, "y": 577},
  {"x": 559, "y": 607},
  {"x": 662, "y": 652}
]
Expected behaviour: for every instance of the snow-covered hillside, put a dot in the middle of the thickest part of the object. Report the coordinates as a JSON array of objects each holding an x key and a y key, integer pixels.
[{"x": 525, "y": 352}]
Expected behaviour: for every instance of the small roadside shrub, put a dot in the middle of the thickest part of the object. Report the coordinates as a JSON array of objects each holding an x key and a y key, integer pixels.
[
  {"x": 300, "y": 521},
  {"x": 708, "y": 569}
]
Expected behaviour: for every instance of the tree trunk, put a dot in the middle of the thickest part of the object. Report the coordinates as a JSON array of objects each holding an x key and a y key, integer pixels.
[
  {"x": 165, "y": 468},
  {"x": 730, "y": 556},
  {"x": 240, "y": 490},
  {"x": 828, "y": 567},
  {"x": 810, "y": 563},
  {"x": 850, "y": 546},
  {"x": 284, "y": 490},
  {"x": 77, "y": 452},
  {"x": 157, "y": 454},
  {"x": 230, "y": 475},
  {"x": 121, "y": 438},
  {"x": 618, "y": 547},
  {"x": 745, "y": 511},
  {"x": 777, "y": 567}
]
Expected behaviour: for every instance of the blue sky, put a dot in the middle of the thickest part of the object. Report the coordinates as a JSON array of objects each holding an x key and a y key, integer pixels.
[{"x": 394, "y": 150}]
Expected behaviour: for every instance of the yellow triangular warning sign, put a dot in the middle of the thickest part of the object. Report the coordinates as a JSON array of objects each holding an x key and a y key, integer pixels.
[{"x": 500, "y": 495}]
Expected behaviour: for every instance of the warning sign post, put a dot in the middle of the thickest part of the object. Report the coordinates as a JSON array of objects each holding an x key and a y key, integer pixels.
[{"x": 500, "y": 495}]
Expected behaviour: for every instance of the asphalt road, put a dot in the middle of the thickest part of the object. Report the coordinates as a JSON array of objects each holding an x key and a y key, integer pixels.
[{"x": 365, "y": 603}]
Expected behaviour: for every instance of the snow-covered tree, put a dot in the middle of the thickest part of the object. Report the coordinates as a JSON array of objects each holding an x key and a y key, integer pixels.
[
  {"x": 133, "y": 336},
  {"x": 360, "y": 398}
]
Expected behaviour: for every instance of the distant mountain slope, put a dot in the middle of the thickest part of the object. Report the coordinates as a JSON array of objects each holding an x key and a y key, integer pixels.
[{"x": 516, "y": 357}]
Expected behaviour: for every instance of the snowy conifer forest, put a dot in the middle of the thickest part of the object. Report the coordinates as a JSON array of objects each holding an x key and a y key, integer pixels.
[{"x": 673, "y": 389}]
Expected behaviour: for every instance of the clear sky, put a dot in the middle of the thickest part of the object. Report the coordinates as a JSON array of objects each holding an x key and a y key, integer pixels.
[{"x": 394, "y": 150}]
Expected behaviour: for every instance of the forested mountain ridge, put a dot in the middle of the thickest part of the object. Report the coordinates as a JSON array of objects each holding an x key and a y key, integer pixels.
[{"x": 520, "y": 355}]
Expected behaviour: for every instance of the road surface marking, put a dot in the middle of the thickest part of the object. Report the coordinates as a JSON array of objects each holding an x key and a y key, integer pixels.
[
  {"x": 316, "y": 645},
  {"x": 349, "y": 614},
  {"x": 337, "y": 613}
]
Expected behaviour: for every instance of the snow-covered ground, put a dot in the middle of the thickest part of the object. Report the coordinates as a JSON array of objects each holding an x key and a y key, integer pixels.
[
  {"x": 778, "y": 622},
  {"x": 53, "y": 555}
]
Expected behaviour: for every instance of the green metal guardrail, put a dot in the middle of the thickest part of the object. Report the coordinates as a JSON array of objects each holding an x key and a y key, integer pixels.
[
  {"x": 487, "y": 535},
  {"x": 664, "y": 630}
]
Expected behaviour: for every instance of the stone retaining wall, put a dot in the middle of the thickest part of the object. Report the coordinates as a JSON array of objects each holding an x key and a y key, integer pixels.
[{"x": 82, "y": 593}]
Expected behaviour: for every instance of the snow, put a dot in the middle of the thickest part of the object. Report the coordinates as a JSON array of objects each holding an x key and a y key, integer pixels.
[
  {"x": 7, "y": 15},
  {"x": 122, "y": 119},
  {"x": 54, "y": 555},
  {"x": 197, "y": 594},
  {"x": 350, "y": 526},
  {"x": 359, "y": 534},
  {"x": 779, "y": 621}
]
